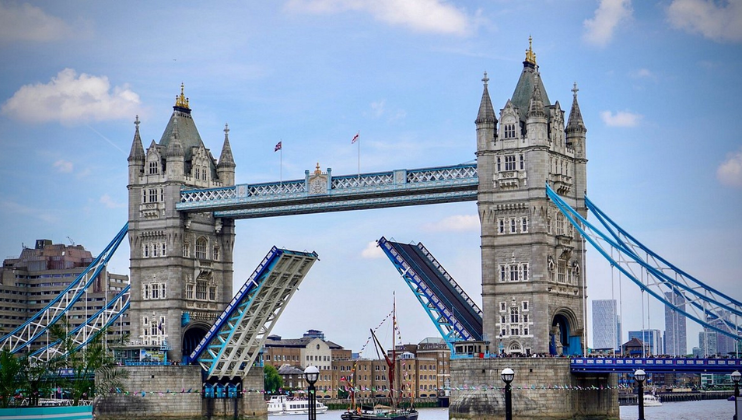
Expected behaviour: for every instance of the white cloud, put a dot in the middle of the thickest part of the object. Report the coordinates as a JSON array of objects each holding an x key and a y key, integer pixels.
[
  {"x": 68, "y": 98},
  {"x": 63, "y": 166},
  {"x": 642, "y": 74},
  {"x": 109, "y": 202},
  {"x": 377, "y": 108},
  {"x": 620, "y": 119},
  {"x": 13, "y": 207},
  {"x": 23, "y": 22},
  {"x": 599, "y": 30},
  {"x": 434, "y": 16},
  {"x": 372, "y": 251},
  {"x": 457, "y": 223},
  {"x": 730, "y": 171},
  {"x": 716, "y": 20}
]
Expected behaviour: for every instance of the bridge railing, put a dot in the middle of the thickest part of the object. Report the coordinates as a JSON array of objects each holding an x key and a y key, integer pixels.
[
  {"x": 678, "y": 364},
  {"x": 397, "y": 181}
]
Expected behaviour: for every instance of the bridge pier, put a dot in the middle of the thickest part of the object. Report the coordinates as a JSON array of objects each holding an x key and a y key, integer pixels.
[
  {"x": 175, "y": 392},
  {"x": 538, "y": 390}
]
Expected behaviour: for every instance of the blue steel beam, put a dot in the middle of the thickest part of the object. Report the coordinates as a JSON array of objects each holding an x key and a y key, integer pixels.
[
  {"x": 37, "y": 325},
  {"x": 453, "y": 313},
  {"x": 233, "y": 343},
  {"x": 86, "y": 332},
  {"x": 708, "y": 308},
  {"x": 654, "y": 365},
  {"x": 349, "y": 192}
]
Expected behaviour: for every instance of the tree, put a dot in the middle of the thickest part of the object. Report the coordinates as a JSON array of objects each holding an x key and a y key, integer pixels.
[
  {"x": 272, "y": 381},
  {"x": 12, "y": 377},
  {"x": 94, "y": 371}
]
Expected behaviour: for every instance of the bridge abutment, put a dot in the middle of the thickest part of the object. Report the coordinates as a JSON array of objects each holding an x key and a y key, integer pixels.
[
  {"x": 175, "y": 392},
  {"x": 543, "y": 389}
]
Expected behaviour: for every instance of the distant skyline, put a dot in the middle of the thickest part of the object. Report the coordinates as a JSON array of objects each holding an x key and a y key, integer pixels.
[{"x": 657, "y": 86}]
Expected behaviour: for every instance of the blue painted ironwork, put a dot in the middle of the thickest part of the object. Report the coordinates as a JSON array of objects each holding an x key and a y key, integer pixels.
[
  {"x": 37, "y": 325},
  {"x": 704, "y": 304},
  {"x": 654, "y": 365},
  {"x": 349, "y": 192},
  {"x": 454, "y": 314},
  {"x": 83, "y": 334},
  {"x": 233, "y": 343}
]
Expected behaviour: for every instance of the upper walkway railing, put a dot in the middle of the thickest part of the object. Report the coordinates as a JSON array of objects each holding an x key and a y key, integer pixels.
[
  {"x": 652, "y": 365},
  {"x": 321, "y": 192}
]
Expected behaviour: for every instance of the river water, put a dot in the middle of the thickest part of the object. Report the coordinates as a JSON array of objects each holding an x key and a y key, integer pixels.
[{"x": 688, "y": 410}]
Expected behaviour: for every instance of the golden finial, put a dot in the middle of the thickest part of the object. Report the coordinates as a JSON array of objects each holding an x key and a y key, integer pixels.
[
  {"x": 530, "y": 55},
  {"x": 318, "y": 171},
  {"x": 181, "y": 101}
]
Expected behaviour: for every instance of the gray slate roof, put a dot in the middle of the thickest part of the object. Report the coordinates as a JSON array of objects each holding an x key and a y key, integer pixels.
[{"x": 524, "y": 90}]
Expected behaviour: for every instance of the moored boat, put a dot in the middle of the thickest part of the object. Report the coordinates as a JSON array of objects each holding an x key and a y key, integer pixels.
[
  {"x": 382, "y": 412},
  {"x": 281, "y": 404},
  {"x": 651, "y": 401}
]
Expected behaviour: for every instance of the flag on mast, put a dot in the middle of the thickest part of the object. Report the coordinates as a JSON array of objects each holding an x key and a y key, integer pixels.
[
  {"x": 278, "y": 147},
  {"x": 355, "y": 138}
]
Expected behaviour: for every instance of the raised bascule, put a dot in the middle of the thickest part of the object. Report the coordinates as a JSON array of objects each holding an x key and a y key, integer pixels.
[{"x": 529, "y": 182}]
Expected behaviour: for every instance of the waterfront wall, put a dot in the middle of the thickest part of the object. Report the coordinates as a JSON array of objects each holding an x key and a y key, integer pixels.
[
  {"x": 472, "y": 396},
  {"x": 157, "y": 403}
]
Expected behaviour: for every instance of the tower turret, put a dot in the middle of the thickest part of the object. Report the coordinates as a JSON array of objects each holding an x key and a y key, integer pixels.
[
  {"x": 225, "y": 168},
  {"x": 536, "y": 121},
  {"x": 136, "y": 156},
  {"x": 577, "y": 139},
  {"x": 175, "y": 155}
]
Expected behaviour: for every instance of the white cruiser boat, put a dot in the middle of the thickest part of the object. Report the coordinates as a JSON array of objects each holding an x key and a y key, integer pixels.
[
  {"x": 651, "y": 401},
  {"x": 280, "y": 404}
]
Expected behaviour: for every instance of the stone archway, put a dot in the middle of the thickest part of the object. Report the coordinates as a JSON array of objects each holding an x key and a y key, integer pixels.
[
  {"x": 191, "y": 337},
  {"x": 562, "y": 340}
]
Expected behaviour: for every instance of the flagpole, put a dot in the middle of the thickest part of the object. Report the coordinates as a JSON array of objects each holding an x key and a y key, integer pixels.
[
  {"x": 359, "y": 157},
  {"x": 281, "y": 168}
]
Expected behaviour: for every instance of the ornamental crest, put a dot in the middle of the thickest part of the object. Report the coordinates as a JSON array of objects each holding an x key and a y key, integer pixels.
[{"x": 317, "y": 182}]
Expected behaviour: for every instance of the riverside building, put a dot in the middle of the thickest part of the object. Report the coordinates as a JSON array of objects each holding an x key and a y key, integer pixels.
[{"x": 31, "y": 281}]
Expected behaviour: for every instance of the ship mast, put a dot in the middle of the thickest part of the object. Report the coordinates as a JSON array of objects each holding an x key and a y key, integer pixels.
[{"x": 389, "y": 362}]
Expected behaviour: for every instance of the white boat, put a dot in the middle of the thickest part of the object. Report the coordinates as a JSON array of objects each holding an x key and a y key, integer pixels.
[
  {"x": 651, "y": 401},
  {"x": 280, "y": 404}
]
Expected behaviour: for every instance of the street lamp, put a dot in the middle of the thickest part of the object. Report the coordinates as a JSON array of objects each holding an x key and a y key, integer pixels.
[
  {"x": 507, "y": 377},
  {"x": 311, "y": 374},
  {"x": 640, "y": 376},
  {"x": 736, "y": 376}
]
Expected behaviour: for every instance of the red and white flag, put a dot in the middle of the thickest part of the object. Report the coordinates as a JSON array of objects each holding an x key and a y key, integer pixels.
[
  {"x": 355, "y": 138},
  {"x": 278, "y": 147}
]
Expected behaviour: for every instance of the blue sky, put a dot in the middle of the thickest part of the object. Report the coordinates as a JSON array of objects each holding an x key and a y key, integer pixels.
[{"x": 659, "y": 93}]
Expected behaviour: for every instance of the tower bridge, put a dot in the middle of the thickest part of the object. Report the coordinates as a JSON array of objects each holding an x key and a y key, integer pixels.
[{"x": 529, "y": 183}]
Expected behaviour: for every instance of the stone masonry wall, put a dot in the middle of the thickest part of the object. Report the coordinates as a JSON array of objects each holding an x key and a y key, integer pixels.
[
  {"x": 472, "y": 396},
  {"x": 155, "y": 381}
]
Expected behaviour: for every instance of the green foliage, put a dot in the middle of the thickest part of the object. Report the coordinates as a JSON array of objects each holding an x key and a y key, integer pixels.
[
  {"x": 272, "y": 381},
  {"x": 12, "y": 377},
  {"x": 94, "y": 370}
]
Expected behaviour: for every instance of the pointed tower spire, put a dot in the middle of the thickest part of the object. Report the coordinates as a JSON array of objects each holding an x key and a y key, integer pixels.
[
  {"x": 225, "y": 167},
  {"x": 575, "y": 125},
  {"x": 486, "y": 111},
  {"x": 536, "y": 107},
  {"x": 226, "y": 160},
  {"x": 137, "y": 151}
]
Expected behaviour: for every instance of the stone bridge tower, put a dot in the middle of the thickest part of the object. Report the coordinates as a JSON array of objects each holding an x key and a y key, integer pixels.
[
  {"x": 533, "y": 286},
  {"x": 180, "y": 264}
]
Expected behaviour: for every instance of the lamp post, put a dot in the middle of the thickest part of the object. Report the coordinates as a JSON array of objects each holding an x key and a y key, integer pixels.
[
  {"x": 507, "y": 377},
  {"x": 311, "y": 374},
  {"x": 736, "y": 376},
  {"x": 640, "y": 376}
]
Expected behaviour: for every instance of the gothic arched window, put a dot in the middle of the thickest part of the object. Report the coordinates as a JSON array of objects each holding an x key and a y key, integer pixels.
[{"x": 201, "y": 244}]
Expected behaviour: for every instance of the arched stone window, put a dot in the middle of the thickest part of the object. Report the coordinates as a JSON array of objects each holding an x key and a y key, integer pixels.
[{"x": 201, "y": 244}]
